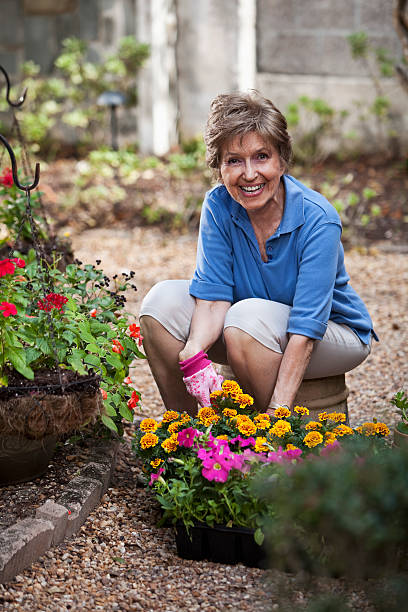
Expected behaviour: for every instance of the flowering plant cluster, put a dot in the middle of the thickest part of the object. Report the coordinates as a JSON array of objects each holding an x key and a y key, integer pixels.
[
  {"x": 78, "y": 323},
  {"x": 202, "y": 469}
]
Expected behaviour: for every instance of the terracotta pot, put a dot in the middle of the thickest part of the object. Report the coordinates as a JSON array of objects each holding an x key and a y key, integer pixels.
[
  {"x": 400, "y": 438},
  {"x": 22, "y": 459}
]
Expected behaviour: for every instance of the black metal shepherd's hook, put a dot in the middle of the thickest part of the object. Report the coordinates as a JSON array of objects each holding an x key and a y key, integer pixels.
[
  {"x": 25, "y": 188},
  {"x": 21, "y": 99}
]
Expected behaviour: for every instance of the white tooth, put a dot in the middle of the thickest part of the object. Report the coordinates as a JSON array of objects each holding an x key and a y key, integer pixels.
[{"x": 252, "y": 188}]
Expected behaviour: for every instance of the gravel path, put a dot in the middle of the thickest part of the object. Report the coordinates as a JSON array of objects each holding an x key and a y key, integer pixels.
[{"x": 119, "y": 560}]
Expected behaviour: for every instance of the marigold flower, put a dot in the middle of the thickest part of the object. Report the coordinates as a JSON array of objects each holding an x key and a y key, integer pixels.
[
  {"x": 156, "y": 462},
  {"x": 312, "y": 425},
  {"x": 260, "y": 445},
  {"x": 323, "y": 416},
  {"x": 148, "y": 425},
  {"x": 229, "y": 412},
  {"x": 263, "y": 424},
  {"x": 244, "y": 400},
  {"x": 231, "y": 386},
  {"x": 170, "y": 444},
  {"x": 262, "y": 416},
  {"x": 224, "y": 437},
  {"x": 291, "y": 447},
  {"x": 343, "y": 430},
  {"x": 133, "y": 401},
  {"x": 148, "y": 440},
  {"x": 302, "y": 410},
  {"x": 8, "y": 309},
  {"x": 207, "y": 415},
  {"x": 313, "y": 438},
  {"x": 329, "y": 438},
  {"x": 215, "y": 395},
  {"x": 282, "y": 412},
  {"x": 382, "y": 429},
  {"x": 174, "y": 426},
  {"x": 337, "y": 417},
  {"x": 280, "y": 428},
  {"x": 185, "y": 418},
  {"x": 170, "y": 415},
  {"x": 104, "y": 394},
  {"x": 247, "y": 428}
]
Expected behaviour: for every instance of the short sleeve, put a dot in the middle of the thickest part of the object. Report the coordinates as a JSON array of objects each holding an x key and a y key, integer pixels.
[
  {"x": 213, "y": 276},
  {"x": 313, "y": 297}
]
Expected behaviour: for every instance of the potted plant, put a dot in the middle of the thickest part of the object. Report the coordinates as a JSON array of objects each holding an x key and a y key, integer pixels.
[
  {"x": 202, "y": 469},
  {"x": 66, "y": 347},
  {"x": 400, "y": 401}
]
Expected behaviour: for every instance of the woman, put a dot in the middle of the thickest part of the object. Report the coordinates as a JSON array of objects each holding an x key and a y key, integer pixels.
[{"x": 270, "y": 293}]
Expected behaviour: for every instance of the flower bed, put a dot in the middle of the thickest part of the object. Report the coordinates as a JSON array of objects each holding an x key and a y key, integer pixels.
[{"x": 202, "y": 470}]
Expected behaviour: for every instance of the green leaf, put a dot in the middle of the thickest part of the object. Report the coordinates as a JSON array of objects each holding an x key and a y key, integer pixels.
[
  {"x": 69, "y": 336},
  {"x": 106, "y": 420},
  {"x": 17, "y": 359},
  {"x": 259, "y": 536},
  {"x": 110, "y": 410},
  {"x": 126, "y": 413},
  {"x": 114, "y": 361},
  {"x": 93, "y": 348},
  {"x": 92, "y": 360}
]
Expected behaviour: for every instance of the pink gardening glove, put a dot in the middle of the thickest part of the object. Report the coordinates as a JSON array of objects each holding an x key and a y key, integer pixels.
[{"x": 200, "y": 377}]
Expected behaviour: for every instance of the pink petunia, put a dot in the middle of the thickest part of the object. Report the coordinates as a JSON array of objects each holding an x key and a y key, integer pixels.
[
  {"x": 154, "y": 477},
  {"x": 186, "y": 437},
  {"x": 214, "y": 470},
  {"x": 243, "y": 442},
  {"x": 8, "y": 309}
]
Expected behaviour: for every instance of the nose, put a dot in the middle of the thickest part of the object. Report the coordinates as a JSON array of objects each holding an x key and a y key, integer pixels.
[{"x": 250, "y": 171}]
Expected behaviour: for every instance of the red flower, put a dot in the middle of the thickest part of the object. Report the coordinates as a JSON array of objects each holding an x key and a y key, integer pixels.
[
  {"x": 6, "y": 178},
  {"x": 134, "y": 332},
  {"x": 127, "y": 380},
  {"x": 104, "y": 394},
  {"x": 133, "y": 401},
  {"x": 117, "y": 347},
  {"x": 93, "y": 312},
  {"x": 8, "y": 309},
  {"x": 6, "y": 267},
  {"x": 52, "y": 300},
  {"x": 20, "y": 263}
]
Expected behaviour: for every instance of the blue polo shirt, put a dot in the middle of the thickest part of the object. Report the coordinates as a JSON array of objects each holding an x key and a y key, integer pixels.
[{"x": 305, "y": 267}]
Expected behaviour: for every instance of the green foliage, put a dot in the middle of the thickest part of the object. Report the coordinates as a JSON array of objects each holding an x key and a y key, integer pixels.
[
  {"x": 400, "y": 401},
  {"x": 69, "y": 97},
  {"x": 355, "y": 210},
  {"x": 345, "y": 516}
]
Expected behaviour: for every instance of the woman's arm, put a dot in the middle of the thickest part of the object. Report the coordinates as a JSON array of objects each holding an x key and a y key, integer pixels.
[
  {"x": 292, "y": 368},
  {"x": 206, "y": 326}
]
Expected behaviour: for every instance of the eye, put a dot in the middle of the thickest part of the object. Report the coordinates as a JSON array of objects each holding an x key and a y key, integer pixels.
[
  {"x": 232, "y": 160},
  {"x": 263, "y": 156}
]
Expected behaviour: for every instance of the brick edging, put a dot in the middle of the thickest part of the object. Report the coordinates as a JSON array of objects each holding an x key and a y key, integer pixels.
[{"x": 28, "y": 539}]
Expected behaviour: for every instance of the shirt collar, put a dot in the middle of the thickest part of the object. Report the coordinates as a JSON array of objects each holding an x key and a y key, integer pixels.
[{"x": 293, "y": 214}]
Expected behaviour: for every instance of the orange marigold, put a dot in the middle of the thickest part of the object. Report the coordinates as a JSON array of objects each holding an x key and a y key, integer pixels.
[
  {"x": 231, "y": 386},
  {"x": 170, "y": 444},
  {"x": 282, "y": 412},
  {"x": 174, "y": 426},
  {"x": 329, "y": 438},
  {"x": 247, "y": 428},
  {"x": 368, "y": 429},
  {"x": 343, "y": 430},
  {"x": 302, "y": 410},
  {"x": 263, "y": 424},
  {"x": 156, "y": 462},
  {"x": 148, "y": 440},
  {"x": 312, "y": 425},
  {"x": 229, "y": 412},
  {"x": 337, "y": 417},
  {"x": 260, "y": 445},
  {"x": 323, "y": 416},
  {"x": 244, "y": 400},
  {"x": 313, "y": 438},
  {"x": 381, "y": 429},
  {"x": 280, "y": 428},
  {"x": 207, "y": 415},
  {"x": 149, "y": 425},
  {"x": 170, "y": 415},
  {"x": 291, "y": 447}
]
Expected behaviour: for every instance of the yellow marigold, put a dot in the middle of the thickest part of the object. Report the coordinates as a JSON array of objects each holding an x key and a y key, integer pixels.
[
  {"x": 242, "y": 417},
  {"x": 148, "y": 440},
  {"x": 337, "y": 417},
  {"x": 185, "y": 418},
  {"x": 282, "y": 412},
  {"x": 280, "y": 428},
  {"x": 263, "y": 424},
  {"x": 359, "y": 430},
  {"x": 207, "y": 415},
  {"x": 381, "y": 429},
  {"x": 174, "y": 426},
  {"x": 231, "y": 386},
  {"x": 223, "y": 437},
  {"x": 244, "y": 400},
  {"x": 262, "y": 416},
  {"x": 313, "y": 438},
  {"x": 149, "y": 425},
  {"x": 156, "y": 462},
  {"x": 323, "y": 416},
  {"x": 329, "y": 438},
  {"x": 247, "y": 428},
  {"x": 312, "y": 425},
  {"x": 260, "y": 445},
  {"x": 229, "y": 412},
  {"x": 216, "y": 394},
  {"x": 170, "y": 444},
  {"x": 368, "y": 429},
  {"x": 170, "y": 415},
  {"x": 291, "y": 447},
  {"x": 343, "y": 430},
  {"x": 302, "y": 410}
]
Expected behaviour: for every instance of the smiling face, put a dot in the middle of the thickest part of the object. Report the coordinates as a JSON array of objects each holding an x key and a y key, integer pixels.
[{"x": 251, "y": 170}]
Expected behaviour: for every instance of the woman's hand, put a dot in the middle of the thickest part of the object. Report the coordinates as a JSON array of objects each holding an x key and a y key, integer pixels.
[{"x": 200, "y": 377}]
